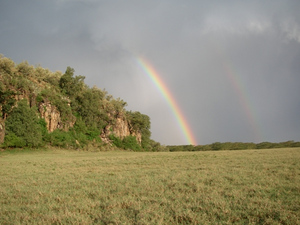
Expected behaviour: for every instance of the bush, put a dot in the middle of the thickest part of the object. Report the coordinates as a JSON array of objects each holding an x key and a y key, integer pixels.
[
  {"x": 23, "y": 123},
  {"x": 157, "y": 147},
  {"x": 62, "y": 139},
  {"x": 140, "y": 123},
  {"x": 116, "y": 141},
  {"x": 81, "y": 139},
  {"x": 93, "y": 133},
  {"x": 12, "y": 140},
  {"x": 130, "y": 142},
  {"x": 44, "y": 129}
]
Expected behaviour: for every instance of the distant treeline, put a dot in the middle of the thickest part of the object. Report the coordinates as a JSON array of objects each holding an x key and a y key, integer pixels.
[{"x": 233, "y": 146}]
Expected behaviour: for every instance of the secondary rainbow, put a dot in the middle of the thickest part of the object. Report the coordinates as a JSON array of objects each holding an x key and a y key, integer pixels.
[
  {"x": 244, "y": 98},
  {"x": 236, "y": 81},
  {"x": 182, "y": 122}
]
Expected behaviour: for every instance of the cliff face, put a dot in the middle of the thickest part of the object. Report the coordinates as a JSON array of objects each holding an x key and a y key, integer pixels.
[
  {"x": 60, "y": 99},
  {"x": 120, "y": 128},
  {"x": 51, "y": 116},
  {"x": 2, "y": 130}
]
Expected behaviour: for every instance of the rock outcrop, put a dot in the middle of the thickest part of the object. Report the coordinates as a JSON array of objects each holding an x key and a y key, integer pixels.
[
  {"x": 138, "y": 136},
  {"x": 58, "y": 97},
  {"x": 120, "y": 128},
  {"x": 53, "y": 118},
  {"x": 51, "y": 115},
  {"x": 2, "y": 130}
]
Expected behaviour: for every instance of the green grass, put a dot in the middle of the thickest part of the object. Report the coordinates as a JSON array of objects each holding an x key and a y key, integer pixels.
[{"x": 224, "y": 187}]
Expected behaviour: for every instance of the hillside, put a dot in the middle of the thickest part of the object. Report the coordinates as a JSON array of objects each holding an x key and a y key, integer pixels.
[{"x": 39, "y": 107}]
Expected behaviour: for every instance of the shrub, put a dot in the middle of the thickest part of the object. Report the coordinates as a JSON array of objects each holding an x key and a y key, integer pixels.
[
  {"x": 116, "y": 141},
  {"x": 12, "y": 140},
  {"x": 130, "y": 142},
  {"x": 61, "y": 138},
  {"x": 24, "y": 123},
  {"x": 44, "y": 130},
  {"x": 157, "y": 147},
  {"x": 93, "y": 133}
]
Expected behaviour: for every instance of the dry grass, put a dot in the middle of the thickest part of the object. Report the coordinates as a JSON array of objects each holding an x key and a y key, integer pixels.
[{"x": 225, "y": 187}]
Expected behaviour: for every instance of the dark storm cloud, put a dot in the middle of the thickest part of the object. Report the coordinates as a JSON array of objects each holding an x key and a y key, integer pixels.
[{"x": 190, "y": 43}]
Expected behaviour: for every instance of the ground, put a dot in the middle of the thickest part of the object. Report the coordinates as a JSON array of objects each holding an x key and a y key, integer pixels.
[{"x": 72, "y": 187}]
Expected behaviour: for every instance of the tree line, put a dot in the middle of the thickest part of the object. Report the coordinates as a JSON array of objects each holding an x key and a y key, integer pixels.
[{"x": 233, "y": 146}]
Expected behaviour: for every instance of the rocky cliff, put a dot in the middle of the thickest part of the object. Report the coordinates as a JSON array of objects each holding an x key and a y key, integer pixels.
[
  {"x": 120, "y": 128},
  {"x": 51, "y": 115},
  {"x": 2, "y": 130},
  {"x": 53, "y": 118},
  {"x": 62, "y": 100}
]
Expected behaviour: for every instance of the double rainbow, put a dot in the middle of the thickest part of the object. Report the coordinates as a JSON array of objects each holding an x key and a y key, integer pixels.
[{"x": 181, "y": 120}]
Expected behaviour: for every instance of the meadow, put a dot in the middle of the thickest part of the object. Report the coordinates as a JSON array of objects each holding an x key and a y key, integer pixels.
[{"x": 121, "y": 187}]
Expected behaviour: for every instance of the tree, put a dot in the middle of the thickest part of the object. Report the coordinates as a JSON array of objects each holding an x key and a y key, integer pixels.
[
  {"x": 216, "y": 146},
  {"x": 7, "y": 101},
  {"x": 24, "y": 69},
  {"x": 69, "y": 84},
  {"x": 7, "y": 66},
  {"x": 89, "y": 108},
  {"x": 23, "y": 127},
  {"x": 141, "y": 123},
  {"x": 130, "y": 142}
]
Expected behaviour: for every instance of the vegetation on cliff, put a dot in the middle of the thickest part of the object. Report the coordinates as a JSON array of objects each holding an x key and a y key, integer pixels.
[{"x": 39, "y": 107}]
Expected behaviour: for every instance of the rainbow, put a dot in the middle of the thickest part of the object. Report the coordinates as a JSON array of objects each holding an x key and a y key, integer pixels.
[
  {"x": 240, "y": 89},
  {"x": 244, "y": 99},
  {"x": 182, "y": 122}
]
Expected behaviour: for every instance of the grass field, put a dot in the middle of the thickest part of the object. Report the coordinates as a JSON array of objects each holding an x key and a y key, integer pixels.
[{"x": 224, "y": 187}]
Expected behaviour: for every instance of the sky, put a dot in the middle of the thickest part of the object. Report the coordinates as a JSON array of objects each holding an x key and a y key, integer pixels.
[{"x": 232, "y": 67}]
